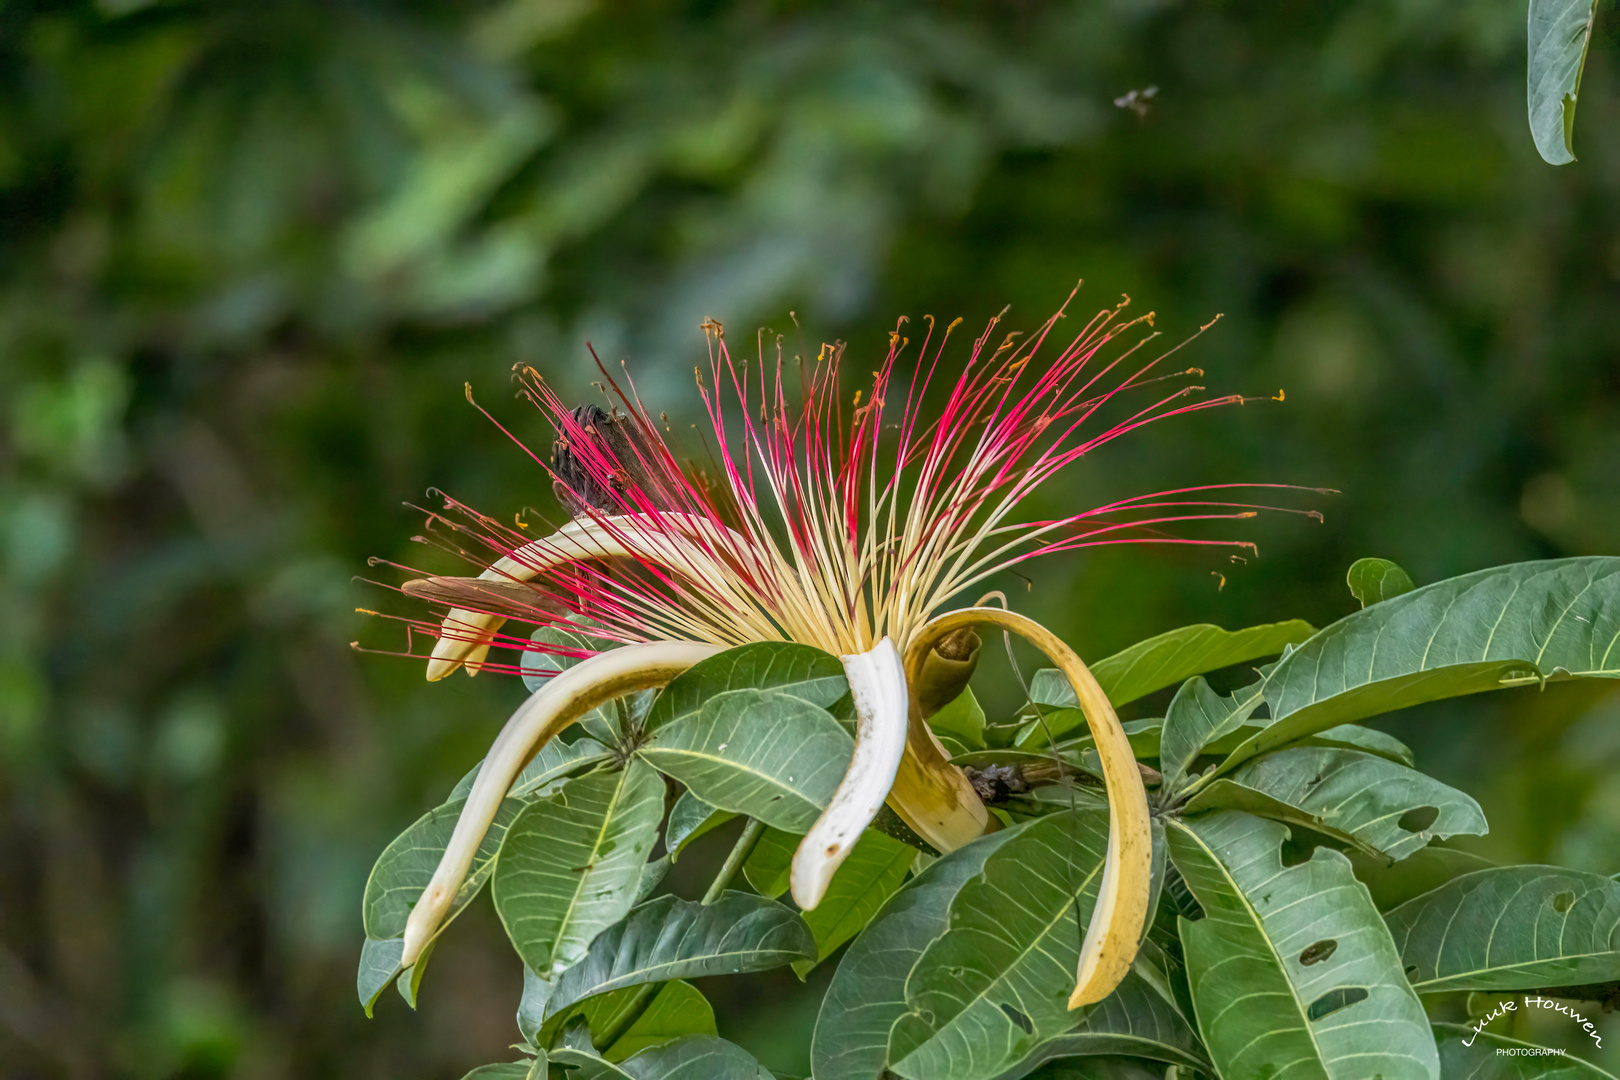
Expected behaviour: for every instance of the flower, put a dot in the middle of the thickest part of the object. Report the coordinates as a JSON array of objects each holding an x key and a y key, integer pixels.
[{"x": 849, "y": 528}]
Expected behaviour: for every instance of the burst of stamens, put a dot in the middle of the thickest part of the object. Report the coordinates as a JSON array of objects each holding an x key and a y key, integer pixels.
[{"x": 819, "y": 530}]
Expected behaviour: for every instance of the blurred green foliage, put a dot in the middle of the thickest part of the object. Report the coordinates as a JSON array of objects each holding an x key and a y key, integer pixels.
[{"x": 249, "y": 253}]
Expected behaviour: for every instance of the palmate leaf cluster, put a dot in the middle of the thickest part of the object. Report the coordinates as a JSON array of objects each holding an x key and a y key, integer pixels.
[{"x": 1305, "y": 911}]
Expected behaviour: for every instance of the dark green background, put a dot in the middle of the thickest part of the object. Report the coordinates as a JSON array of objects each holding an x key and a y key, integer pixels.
[{"x": 249, "y": 253}]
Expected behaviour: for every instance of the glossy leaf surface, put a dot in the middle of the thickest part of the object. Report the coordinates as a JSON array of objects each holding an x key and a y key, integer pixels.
[
  {"x": 1511, "y": 928},
  {"x": 1292, "y": 966}
]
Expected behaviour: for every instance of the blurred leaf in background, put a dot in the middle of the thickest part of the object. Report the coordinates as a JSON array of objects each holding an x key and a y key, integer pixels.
[{"x": 249, "y": 253}]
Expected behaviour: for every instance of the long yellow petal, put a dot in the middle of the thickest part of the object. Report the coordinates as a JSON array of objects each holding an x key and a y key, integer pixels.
[
  {"x": 1122, "y": 897},
  {"x": 560, "y": 702}
]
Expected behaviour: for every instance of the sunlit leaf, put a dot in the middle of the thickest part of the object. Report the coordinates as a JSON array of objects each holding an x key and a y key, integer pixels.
[
  {"x": 551, "y": 764},
  {"x": 669, "y": 938},
  {"x": 677, "y": 1010},
  {"x": 572, "y": 863},
  {"x": 1509, "y": 626},
  {"x": 1292, "y": 964},
  {"x": 1374, "y": 580},
  {"x": 1511, "y": 928},
  {"x": 798, "y": 670},
  {"x": 997, "y": 983},
  {"x": 379, "y": 963},
  {"x": 863, "y": 884},
  {"x": 1373, "y": 803},
  {"x": 770, "y": 863},
  {"x": 1559, "y": 33},
  {"x": 1197, "y": 717},
  {"x": 868, "y": 991},
  {"x": 769, "y": 754},
  {"x": 406, "y": 866},
  {"x": 962, "y": 719},
  {"x": 1134, "y": 1020},
  {"x": 1171, "y": 657}
]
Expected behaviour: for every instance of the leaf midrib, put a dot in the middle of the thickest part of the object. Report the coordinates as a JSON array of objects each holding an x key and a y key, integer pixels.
[{"x": 1293, "y": 993}]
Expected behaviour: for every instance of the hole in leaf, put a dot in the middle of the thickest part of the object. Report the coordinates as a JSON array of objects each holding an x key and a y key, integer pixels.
[
  {"x": 1025, "y": 1024},
  {"x": 1331, "y": 1002},
  {"x": 1419, "y": 818},
  {"x": 1318, "y": 952},
  {"x": 1563, "y": 901},
  {"x": 1297, "y": 849}
]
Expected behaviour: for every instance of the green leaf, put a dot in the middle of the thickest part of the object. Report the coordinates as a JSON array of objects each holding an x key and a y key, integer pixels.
[
  {"x": 689, "y": 819},
  {"x": 863, "y": 884},
  {"x": 963, "y": 719},
  {"x": 1559, "y": 33},
  {"x": 1197, "y": 717},
  {"x": 1292, "y": 964},
  {"x": 1377, "y": 805},
  {"x": 1482, "y": 631},
  {"x": 769, "y": 754},
  {"x": 572, "y": 864},
  {"x": 1356, "y": 737},
  {"x": 678, "y": 1009},
  {"x": 379, "y": 963},
  {"x": 675, "y": 1009},
  {"x": 1135, "y": 1020},
  {"x": 997, "y": 983},
  {"x": 1058, "y": 723},
  {"x": 546, "y": 771},
  {"x": 669, "y": 938},
  {"x": 584, "y": 1065},
  {"x": 410, "y": 984},
  {"x": 695, "y": 1057},
  {"x": 1511, "y": 928},
  {"x": 527, "y": 1069},
  {"x": 1105, "y": 1067},
  {"x": 799, "y": 670},
  {"x": 1171, "y": 657},
  {"x": 770, "y": 863},
  {"x": 1465, "y": 1055},
  {"x": 397, "y": 879},
  {"x": 1425, "y": 869},
  {"x": 406, "y": 866},
  {"x": 1374, "y": 580},
  {"x": 531, "y": 1012},
  {"x": 537, "y": 669},
  {"x": 868, "y": 991},
  {"x": 537, "y": 666},
  {"x": 652, "y": 876}
]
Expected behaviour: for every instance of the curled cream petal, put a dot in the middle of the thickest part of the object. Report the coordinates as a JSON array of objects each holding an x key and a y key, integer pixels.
[
  {"x": 1122, "y": 895},
  {"x": 560, "y": 702},
  {"x": 878, "y": 684},
  {"x": 464, "y": 636}
]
